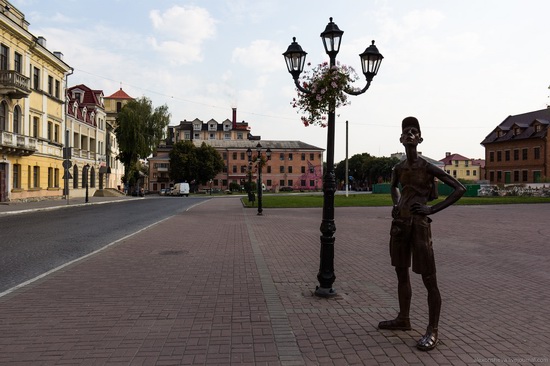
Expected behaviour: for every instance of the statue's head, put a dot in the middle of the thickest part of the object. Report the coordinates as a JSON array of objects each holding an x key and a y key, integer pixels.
[{"x": 410, "y": 131}]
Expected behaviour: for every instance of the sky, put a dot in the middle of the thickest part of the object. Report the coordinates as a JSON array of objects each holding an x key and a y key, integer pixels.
[{"x": 460, "y": 67}]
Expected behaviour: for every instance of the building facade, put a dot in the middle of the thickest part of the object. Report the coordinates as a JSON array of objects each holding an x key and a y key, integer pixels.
[
  {"x": 517, "y": 151},
  {"x": 114, "y": 169},
  {"x": 293, "y": 164},
  {"x": 463, "y": 168},
  {"x": 86, "y": 132},
  {"x": 32, "y": 113}
]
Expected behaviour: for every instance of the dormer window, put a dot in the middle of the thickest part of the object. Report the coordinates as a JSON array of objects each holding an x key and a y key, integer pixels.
[
  {"x": 517, "y": 131},
  {"x": 212, "y": 127},
  {"x": 77, "y": 96},
  {"x": 197, "y": 126},
  {"x": 538, "y": 128}
]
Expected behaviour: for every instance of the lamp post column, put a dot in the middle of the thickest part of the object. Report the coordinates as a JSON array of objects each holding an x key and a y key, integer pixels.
[{"x": 260, "y": 208}]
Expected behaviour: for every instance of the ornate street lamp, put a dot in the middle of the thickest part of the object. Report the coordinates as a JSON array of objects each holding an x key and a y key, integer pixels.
[{"x": 295, "y": 58}]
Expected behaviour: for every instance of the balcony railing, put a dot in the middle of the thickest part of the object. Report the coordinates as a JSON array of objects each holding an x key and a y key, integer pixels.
[
  {"x": 15, "y": 144},
  {"x": 14, "y": 84}
]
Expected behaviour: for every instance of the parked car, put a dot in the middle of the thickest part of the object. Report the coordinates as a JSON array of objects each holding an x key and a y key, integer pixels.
[
  {"x": 180, "y": 189},
  {"x": 164, "y": 191}
]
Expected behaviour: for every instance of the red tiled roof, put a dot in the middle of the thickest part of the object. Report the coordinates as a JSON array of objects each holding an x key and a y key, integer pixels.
[
  {"x": 120, "y": 94},
  {"x": 453, "y": 157}
]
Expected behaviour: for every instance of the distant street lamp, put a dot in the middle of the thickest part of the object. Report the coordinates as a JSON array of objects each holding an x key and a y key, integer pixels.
[
  {"x": 260, "y": 163},
  {"x": 295, "y": 58},
  {"x": 87, "y": 167}
]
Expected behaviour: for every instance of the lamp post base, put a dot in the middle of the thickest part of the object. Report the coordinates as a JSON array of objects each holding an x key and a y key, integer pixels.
[{"x": 325, "y": 292}]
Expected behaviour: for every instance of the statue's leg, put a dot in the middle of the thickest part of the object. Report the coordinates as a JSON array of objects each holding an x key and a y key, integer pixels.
[
  {"x": 430, "y": 339},
  {"x": 404, "y": 293}
]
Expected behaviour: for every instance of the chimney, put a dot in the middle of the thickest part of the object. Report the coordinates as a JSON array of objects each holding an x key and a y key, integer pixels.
[
  {"x": 41, "y": 41},
  {"x": 234, "y": 118},
  {"x": 447, "y": 154},
  {"x": 58, "y": 54}
]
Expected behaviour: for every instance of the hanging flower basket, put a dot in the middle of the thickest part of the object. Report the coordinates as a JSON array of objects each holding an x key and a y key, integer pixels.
[{"x": 327, "y": 87}]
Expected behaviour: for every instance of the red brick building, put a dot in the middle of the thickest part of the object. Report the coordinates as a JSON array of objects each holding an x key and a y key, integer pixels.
[
  {"x": 294, "y": 164},
  {"x": 517, "y": 151}
]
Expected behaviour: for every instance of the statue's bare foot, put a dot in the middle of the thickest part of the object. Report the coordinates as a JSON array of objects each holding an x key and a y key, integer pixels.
[
  {"x": 428, "y": 340},
  {"x": 395, "y": 324}
]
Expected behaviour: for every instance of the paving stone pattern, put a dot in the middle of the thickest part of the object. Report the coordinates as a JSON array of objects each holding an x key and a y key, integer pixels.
[{"x": 219, "y": 285}]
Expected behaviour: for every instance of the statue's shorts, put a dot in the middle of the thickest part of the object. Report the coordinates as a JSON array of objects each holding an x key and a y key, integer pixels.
[{"x": 412, "y": 237}]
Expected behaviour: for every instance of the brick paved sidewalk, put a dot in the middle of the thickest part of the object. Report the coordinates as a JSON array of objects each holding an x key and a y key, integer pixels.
[{"x": 220, "y": 285}]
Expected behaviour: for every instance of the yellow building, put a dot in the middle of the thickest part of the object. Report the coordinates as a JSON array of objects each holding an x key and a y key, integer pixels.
[
  {"x": 32, "y": 117},
  {"x": 461, "y": 167}
]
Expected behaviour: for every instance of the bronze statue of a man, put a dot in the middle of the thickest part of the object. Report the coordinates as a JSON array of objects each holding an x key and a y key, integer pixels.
[{"x": 410, "y": 231}]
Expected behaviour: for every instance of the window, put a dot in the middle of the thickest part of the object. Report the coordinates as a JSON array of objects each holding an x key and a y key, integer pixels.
[
  {"x": 227, "y": 136},
  {"x": 57, "y": 85},
  {"x": 17, "y": 120},
  {"x": 50, "y": 85},
  {"x": 499, "y": 155},
  {"x": 312, "y": 183},
  {"x": 303, "y": 156},
  {"x": 536, "y": 152},
  {"x": 507, "y": 155},
  {"x": 492, "y": 176},
  {"x": 282, "y": 182},
  {"x": 16, "y": 176},
  {"x": 303, "y": 170},
  {"x": 290, "y": 183},
  {"x": 239, "y": 136},
  {"x": 243, "y": 168},
  {"x": 3, "y": 116},
  {"x": 4, "y": 57},
  {"x": 35, "y": 176},
  {"x": 118, "y": 106},
  {"x": 212, "y": 136},
  {"x": 234, "y": 156},
  {"x": 92, "y": 177},
  {"x": 516, "y": 154},
  {"x": 50, "y": 177},
  {"x": 491, "y": 156},
  {"x": 281, "y": 169},
  {"x": 35, "y": 124},
  {"x": 538, "y": 128},
  {"x": 524, "y": 153},
  {"x": 197, "y": 136},
  {"x": 311, "y": 156},
  {"x": 516, "y": 175},
  {"x": 474, "y": 173},
  {"x": 17, "y": 62},
  {"x": 517, "y": 131},
  {"x": 524, "y": 174},
  {"x": 454, "y": 173},
  {"x": 289, "y": 156},
  {"x": 499, "y": 176},
  {"x": 268, "y": 183},
  {"x": 456, "y": 162},
  {"x": 467, "y": 173},
  {"x": 269, "y": 169},
  {"x": 282, "y": 156},
  {"x": 36, "y": 78},
  {"x": 50, "y": 131},
  {"x": 290, "y": 170},
  {"x": 311, "y": 169},
  {"x": 187, "y": 135},
  {"x": 234, "y": 169},
  {"x": 303, "y": 183},
  {"x": 242, "y": 156},
  {"x": 224, "y": 156}
]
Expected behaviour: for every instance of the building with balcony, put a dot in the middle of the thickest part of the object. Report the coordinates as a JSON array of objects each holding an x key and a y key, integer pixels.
[
  {"x": 86, "y": 130},
  {"x": 517, "y": 151},
  {"x": 32, "y": 115},
  {"x": 293, "y": 164}
]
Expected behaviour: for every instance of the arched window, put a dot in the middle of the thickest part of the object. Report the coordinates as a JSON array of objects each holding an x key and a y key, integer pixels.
[
  {"x": 92, "y": 177},
  {"x": 75, "y": 176},
  {"x": 3, "y": 116},
  {"x": 17, "y": 120}
]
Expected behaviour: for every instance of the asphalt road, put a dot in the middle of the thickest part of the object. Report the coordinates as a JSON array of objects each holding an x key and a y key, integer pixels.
[{"x": 37, "y": 242}]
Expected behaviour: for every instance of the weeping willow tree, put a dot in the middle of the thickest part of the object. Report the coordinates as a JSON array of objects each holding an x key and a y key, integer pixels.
[{"x": 140, "y": 129}]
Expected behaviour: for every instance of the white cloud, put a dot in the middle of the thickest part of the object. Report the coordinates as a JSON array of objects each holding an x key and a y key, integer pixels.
[
  {"x": 182, "y": 32},
  {"x": 262, "y": 55}
]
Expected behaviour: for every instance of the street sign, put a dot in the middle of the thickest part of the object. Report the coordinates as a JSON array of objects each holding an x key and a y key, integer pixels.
[
  {"x": 67, "y": 175},
  {"x": 67, "y": 164}
]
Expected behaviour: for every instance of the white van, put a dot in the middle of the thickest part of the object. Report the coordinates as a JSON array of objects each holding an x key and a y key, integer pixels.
[{"x": 180, "y": 189}]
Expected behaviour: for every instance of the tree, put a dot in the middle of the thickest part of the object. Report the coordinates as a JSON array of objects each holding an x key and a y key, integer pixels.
[
  {"x": 189, "y": 163},
  {"x": 366, "y": 169},
  {"x": 140, "y": 128}
]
